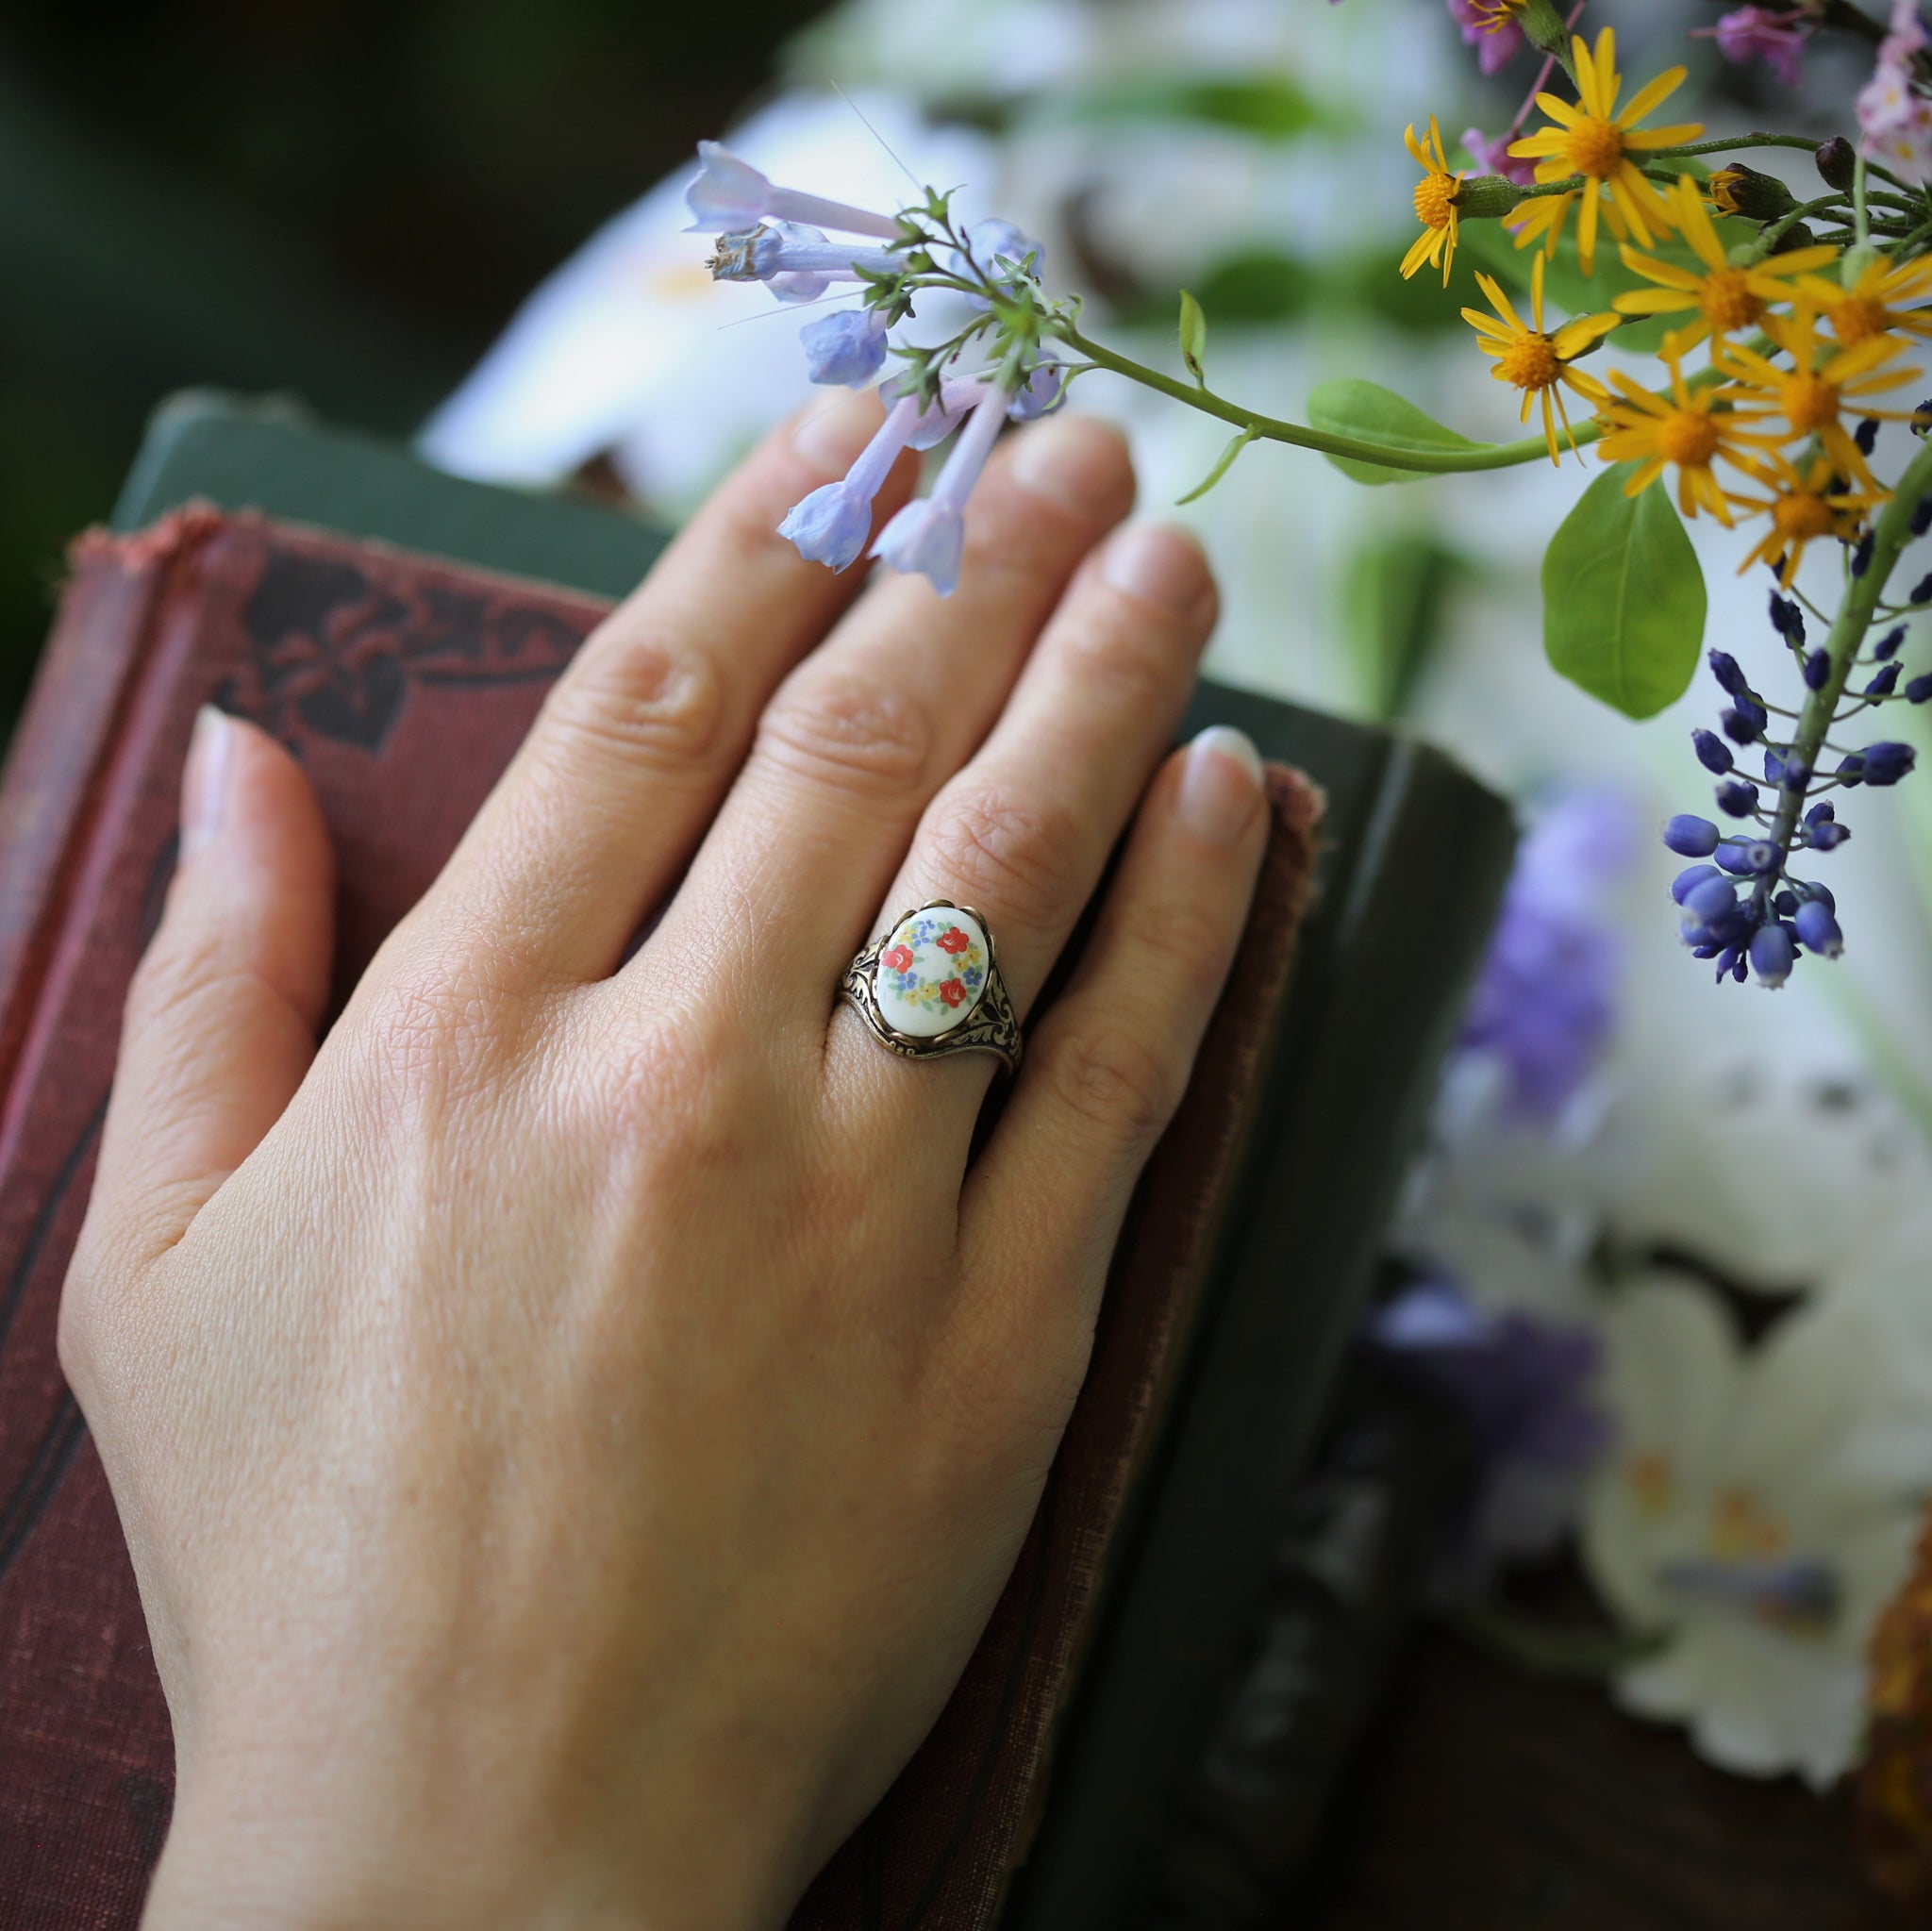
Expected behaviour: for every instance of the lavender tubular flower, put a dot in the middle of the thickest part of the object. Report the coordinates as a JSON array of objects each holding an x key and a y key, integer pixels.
[
  {"x": 831, "y": 525},
  {"x": 929, "y": 536},
  {"x": 797, "y": 263},
  {"x": 731, "y": 193},
  {"x": 1758, "y": 33},
  {"x": 848, "y": 349},
  {"x": 1042, "y": 392}
]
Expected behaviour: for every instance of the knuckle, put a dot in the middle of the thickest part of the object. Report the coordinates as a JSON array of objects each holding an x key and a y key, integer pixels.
[
  {"x": 643, "y": 695},
  {"x": 437, "y": 1021},
  {"x": 1116, "y": 1083},
  {"x": 1131, "y": 660},
  {"x": 850, "y": 732},
  {"x": 1000, "y": 849}
]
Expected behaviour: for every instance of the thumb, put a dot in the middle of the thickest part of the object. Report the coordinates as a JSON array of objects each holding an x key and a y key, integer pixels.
[{"x": 221, "y": 1018}]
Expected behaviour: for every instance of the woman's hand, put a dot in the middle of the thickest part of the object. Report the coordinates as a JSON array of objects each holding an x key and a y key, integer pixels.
[{"x": 572, "y": 1428}]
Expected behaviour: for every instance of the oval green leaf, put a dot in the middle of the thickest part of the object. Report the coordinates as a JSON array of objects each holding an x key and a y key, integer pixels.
[
  {"x": 1193, "y": 338},
  {"x": 1624, "y": 597},
  {"x": 1373, "y": 414}
]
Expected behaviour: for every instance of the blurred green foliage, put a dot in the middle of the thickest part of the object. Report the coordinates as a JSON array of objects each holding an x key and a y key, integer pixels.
[{"x": 345, "y": 201}]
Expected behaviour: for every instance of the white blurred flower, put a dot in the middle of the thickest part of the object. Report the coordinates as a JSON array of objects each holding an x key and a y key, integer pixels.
[
  {"x": 631, "y": 348},
  {"x": 1756, "y": 1512}
]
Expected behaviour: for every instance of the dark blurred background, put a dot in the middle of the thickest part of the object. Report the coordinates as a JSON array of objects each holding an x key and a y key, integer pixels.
[{"x": 345, "y": 201}]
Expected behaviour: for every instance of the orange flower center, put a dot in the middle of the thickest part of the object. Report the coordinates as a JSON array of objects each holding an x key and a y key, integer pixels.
[
  {"x": 1649, "y": 1476},
  {"x": 1808, "y": 401},
  {"x": 1435, "y": 199},
  {"x": 1728, "y": 300},
  {"x": 1858, "y": 318},
  {"x": 1687, "y": 439},
  {"x": 1529, "y": 362},
  {"x": 1801, "y": 516},
  {"x": 1594, "y": 148},
  {"x": 1742, "y": 1527}
]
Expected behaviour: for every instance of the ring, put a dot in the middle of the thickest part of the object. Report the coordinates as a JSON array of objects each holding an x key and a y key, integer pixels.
[{"x": 932, "y": 985}]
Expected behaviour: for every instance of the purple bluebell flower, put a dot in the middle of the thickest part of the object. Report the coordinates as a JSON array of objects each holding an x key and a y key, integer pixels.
[
  {"x": 1737, "y": 797},
  {"x": 1818, "y": 929},
  {"x": 1919, "y": 689},
  {"x": 731, "y": 193},
  {"x": 1787, "y": 619},
  {"x": 928, "y": 536},
  {"x": 1772, "y": 954},
  {"x": 1761, "y": 33},
  {"x": 1828, "y": 837},
  {"x": 831, "y": 525},
  {"x": 1495, "y": 46},
  {"x": 1746, "y": 858},
  {"x": 1525, "y": 1388},
  {"x": 1543, "y": 1003},
  {"x": 1688, "y": 880},
  {"x": 956, "y": 399},
  {"x": 1728, "y": 673},
  {"x": 1888, "y": 644},
  {"x": 1886, "y": 682},
  {"x": 1744, "y": 721},
  {"x": 847, "y": 349},
  {"x": 1690, "y": 837}
]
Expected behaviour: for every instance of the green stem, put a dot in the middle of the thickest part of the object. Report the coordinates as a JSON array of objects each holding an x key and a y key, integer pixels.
[
  {"x": 1726, "y": 143},
  {"x": 1495, "y": 455},
  {"x": 1860, "y": 215},
  {"x": 1890, "y": 533}
]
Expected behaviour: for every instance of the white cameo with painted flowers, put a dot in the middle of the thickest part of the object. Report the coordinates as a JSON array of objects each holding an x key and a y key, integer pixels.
[{"x": 931, "y": 974}]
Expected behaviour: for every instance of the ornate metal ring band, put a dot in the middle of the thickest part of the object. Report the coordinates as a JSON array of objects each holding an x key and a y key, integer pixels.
[{"x": 932, "y": 985}]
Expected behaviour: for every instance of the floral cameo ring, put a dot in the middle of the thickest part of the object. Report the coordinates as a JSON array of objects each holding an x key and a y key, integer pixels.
[{"x": 932, "y": 985}]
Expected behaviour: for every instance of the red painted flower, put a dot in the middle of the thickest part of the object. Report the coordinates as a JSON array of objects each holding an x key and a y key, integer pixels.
[
  {"x": 899, "y": 960},
  {"x": 953, "y": 990},
  {"x": 953, "y": 939}
]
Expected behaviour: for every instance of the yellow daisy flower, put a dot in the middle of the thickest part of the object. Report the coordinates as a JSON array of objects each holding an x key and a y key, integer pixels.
[
  {"x": 1820, "y": 387},
  {"x": 1867, "y": 309},
  {"x": 1594, "y": 140},
  {"x": 1435, "y": 203},
  {"x": 1685, "y": 427},
  {"x": 1723, "y": 299},
  {"x": 1804, "y": 508},
  {"x": 1534, "y": 361}
]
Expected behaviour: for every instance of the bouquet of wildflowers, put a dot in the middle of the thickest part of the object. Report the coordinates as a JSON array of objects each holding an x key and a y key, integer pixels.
[{"x": 1779, "y": 332}]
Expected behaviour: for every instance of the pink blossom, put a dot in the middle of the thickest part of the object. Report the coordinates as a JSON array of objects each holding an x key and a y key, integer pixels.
[
  {"x": 1751, "y": 33},
  {"x": 1495, "y": 48},
  {"x": 1493, "y": 157},
  {"x": 1895, "y": 118}
]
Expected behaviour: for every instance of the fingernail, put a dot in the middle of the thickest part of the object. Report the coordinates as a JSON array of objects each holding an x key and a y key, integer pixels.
[
  {"x": 1158, "y": 564},
  {"x": 1221, "y": 785},
  {"x": 1077, "y": 462},
  {"x": 204, "y": 781},
  {"x": 831, "y": 435}
]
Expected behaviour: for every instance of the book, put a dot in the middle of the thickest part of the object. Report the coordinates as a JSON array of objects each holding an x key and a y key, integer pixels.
[{"x": 398, "y": 628}]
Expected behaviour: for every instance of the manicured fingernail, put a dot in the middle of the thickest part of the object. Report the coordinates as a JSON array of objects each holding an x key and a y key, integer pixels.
[
  {"x": 831, "y": 435},
  {"x": 1076, "y": 461},
  {"x": 1158, "y": 564},
  {"x": 1221, "y": 785},
  {"x": 205, "y": 780}
]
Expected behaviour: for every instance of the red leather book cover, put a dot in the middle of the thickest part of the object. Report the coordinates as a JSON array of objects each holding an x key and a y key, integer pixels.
[{"x": 402, "y": 683}]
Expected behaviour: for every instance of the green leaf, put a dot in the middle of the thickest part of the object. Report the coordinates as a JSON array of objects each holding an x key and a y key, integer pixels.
[
  {"x": 1222, "y": 465},
  {"x": 1194, "y": 337},
  {"x": 1624, "y": 597},
  {"x": 1569, "y": 291},
  {"x": 1374, "y": 414}
]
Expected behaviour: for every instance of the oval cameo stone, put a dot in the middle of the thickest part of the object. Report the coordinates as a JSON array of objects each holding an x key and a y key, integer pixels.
[{"x": 931, "y": 974}]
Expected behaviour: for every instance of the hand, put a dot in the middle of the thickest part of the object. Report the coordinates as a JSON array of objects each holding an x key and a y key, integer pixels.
[{"x": 572, "y": 1428}]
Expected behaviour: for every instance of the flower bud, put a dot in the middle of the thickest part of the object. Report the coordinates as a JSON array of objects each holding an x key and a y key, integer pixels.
[
  {"x": 1690, "y": 837},
  {"x": 1772, "y": 953},
  {"x": 1737, "y": 797},
  {"x": 1836, "y": 163},
  {"x": 1818, "y": 669},
  {"x": 1886, "y": 763},
  {"x": 1487, "y": 197},
  {"x": 1795, "y": 236},
  {"x": 1744, "y": 721},
  {"x": 1817, "y": 931},
  {"x": 1827, "y": 838},
  {"x": 1712, "y": 753},
  {"x": 1855, "y": 263},
  {"x": 1688, "y": 880},
  {"x": 1728, "y": 671},
  {"x": 1712, "y": 900},
  {"x": 1738, "y": 189},
  {"x": 1889, "y": 643},
  {"x": 1920, "y": 689},
  {"x": 1747, "y": 856},
  {"x": 1886, "y": 682}
]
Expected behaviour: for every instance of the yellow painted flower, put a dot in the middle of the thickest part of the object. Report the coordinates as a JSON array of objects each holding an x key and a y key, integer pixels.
[
  {"x": 1723, "y": 299},
  {"x": 1804, "y": 508},
  {"x": 1435, "y": 203},
  {"x": 1822, "y": 385},
  {"x": 1684, "y": 427},
  {"x": 1874, "y": 305},
  {"x": 1594, "y": 140},
  {"x": 1534, "y": 361},
  {"x": 1723, "y": 185}
]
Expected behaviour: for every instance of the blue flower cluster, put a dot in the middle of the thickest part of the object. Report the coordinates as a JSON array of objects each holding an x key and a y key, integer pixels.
[{"x": 1743, "y": 906}]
